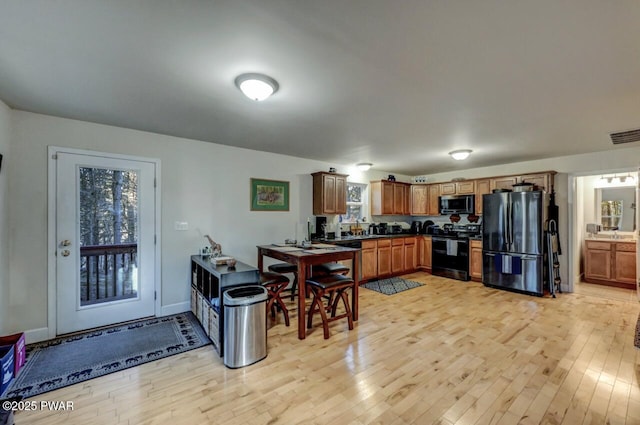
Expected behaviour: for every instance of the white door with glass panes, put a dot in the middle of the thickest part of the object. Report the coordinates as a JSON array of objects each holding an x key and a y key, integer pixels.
[{"x": 105, "y": 230}]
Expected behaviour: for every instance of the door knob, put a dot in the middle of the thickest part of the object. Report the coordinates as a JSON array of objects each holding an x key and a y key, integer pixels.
[
  {"x": 65, "y": 242},
  {"x": 66, "y": 253}
]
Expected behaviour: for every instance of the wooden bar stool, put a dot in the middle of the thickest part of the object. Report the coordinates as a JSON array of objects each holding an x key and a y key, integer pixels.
[
  {"x": 334, "y": 286},
  {"x": 330, "y": 268},
  {"x": 275, "y": 283},
  {"x": 287, "y": 268}
]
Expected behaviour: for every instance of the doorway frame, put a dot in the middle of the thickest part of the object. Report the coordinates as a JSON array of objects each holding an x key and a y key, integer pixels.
[
  {"x": 51, "y": 227},
  {"x": 572, "y": 231}
]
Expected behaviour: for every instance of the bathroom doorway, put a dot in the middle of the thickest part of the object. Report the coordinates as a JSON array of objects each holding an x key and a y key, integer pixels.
[{"x": 604, "y": 233}]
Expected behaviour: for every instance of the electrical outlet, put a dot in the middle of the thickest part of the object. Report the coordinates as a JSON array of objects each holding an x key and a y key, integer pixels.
[{"x": 182, "y": 225}]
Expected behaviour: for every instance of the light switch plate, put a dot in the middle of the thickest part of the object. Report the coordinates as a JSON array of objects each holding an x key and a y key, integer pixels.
[{"x": 182, "y": 225}]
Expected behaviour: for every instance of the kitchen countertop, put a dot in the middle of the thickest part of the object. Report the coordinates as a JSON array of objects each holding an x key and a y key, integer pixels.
[
  {"x": 367, "y": 237},
  {"x": 610, "y": 239}
]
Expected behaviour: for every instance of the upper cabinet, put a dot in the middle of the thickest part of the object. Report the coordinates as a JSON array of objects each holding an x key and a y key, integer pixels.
[
  {"x": 434, "y": 193},
  {"x": 419, "y": 199},
  {"x": 329, "y": 193},
  {"x": 458, "y": 188},
  {"x": 540, "y": 181},
  {"x": 390, "y": 198},
  {"x": 424, "y": 197},
  {"x": 483, "y": 187},
  {"x": 506, "y": 182}
]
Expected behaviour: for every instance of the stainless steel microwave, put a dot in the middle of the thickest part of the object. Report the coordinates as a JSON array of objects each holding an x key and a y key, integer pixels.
[{"x": 456, "y": 204}]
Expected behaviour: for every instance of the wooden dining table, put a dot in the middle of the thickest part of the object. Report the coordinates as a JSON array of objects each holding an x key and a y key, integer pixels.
[{"x": 304, "y": 259}]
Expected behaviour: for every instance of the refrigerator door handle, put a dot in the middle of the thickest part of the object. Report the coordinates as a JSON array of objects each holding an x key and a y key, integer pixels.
[
  {"x": 505, "y": 227},
  {"x": 511, "y": 225},
  {"x": 528, "y": 257},
  {"x": 508, "y": 230}
]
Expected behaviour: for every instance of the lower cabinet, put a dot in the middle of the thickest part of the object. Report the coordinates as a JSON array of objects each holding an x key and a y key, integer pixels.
[
  {"x": 610, "y": 263},
  {"x": 384, "y": 257},
  {"x": 424, "y": 252},
  {"x": 475, "y": 260},
  {"x": 369, "y": 259},
  {"x": 397, "y": 255},
  {"x": 625, "y": 265},
  {"x": 410, "y": 254}
]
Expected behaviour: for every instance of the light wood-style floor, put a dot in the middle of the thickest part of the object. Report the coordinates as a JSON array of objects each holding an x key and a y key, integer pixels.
[{"x": 449, "y": 352}]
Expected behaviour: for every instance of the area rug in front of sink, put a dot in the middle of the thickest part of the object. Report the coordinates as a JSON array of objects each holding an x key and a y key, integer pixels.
[
  {"x": 392, "y": 285},
  {"x": 76, "y": 358}
]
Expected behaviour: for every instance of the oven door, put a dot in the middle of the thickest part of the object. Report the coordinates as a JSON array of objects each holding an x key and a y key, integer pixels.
[{"x": 450, "y": 257}]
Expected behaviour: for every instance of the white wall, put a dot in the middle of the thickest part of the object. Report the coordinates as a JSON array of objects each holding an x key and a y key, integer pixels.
[
  {"x": 204, "y": 184},
  {"x": 5, "y": 137}
]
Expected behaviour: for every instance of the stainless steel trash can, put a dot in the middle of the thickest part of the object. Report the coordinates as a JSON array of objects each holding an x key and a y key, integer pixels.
[{"x": 245, "y": 325}]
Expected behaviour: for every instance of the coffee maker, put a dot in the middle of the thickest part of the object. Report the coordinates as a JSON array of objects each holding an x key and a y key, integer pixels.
[
  {"x": 321, "y": 224},
  {"x": 416, "y": 226}
]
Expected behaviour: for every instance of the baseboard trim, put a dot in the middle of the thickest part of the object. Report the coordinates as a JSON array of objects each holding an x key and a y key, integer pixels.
[
  {"x": 42, "y": 334},
  {"x": 176, "y": 308},
  {"x": 36, "y": 335}
]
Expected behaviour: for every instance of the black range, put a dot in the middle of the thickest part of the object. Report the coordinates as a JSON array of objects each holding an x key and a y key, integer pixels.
[{"x": 450, "y": 248}]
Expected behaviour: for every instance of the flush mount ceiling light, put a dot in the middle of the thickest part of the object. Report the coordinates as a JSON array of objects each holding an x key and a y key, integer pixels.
[
  {"x": 461, "y": 154},
  {"x": 364, "y": 166},
  {"x": 256, "y": 86}
]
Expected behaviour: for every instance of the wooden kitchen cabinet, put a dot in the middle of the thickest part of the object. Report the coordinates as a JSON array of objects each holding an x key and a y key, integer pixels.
[
  {"x": 466, "y": 187},
  {"x": 384, "y": 257},
  {"x": 329, "y": 193},
  {"x": 475, "y": 260},
  {"x": 597, "y": 261},
  {"x": 503, "y": 182},
  {"x": 424, "y": 252},
  {"x": 457, "y": 188},
  {"x": 434, "y": 193},
  {"x": 406, "y": 188},
  {"x": 410, "y": 254},
  {"x": 540, "y": 181},
  {"x": 389, "y": 198},
  {"x": 483, "y": 187},
  {"x": 419, "y": 199},
  {"x": 625, "y": 263},
  {"x": 402, "y": 197},
  {"x": 448, "y": 188},
  {"x": 610, "y": 262},
  {"x": 397, "y": 255},
  {"x": 369, "y": 259}
]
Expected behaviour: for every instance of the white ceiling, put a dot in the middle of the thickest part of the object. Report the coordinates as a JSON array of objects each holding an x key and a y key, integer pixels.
[{"x": 396, "y": 83}]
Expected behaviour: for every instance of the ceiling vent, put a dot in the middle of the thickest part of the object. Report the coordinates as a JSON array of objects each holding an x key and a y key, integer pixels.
[{"x": 622, "y": 137}]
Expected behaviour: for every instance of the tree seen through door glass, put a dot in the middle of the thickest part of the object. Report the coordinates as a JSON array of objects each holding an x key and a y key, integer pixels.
[{"x": 108, "y": 234}]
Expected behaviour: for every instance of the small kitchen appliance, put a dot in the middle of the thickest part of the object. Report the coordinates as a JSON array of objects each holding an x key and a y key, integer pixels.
[{"x": 415, "y": 227}]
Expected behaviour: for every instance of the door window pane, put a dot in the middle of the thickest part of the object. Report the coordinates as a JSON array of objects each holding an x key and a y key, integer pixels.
[{"x": 108, "y": 234}]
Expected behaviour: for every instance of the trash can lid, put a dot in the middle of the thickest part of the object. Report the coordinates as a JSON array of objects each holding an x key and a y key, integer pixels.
[{"x": 245, "y": 295}]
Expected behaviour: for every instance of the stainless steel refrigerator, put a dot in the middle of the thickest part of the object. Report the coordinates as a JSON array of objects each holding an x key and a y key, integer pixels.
[{"x": 513, "y": 240}]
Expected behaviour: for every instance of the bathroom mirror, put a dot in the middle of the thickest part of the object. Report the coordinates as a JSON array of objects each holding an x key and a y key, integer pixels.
[{"x": 616, "y": 208}]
